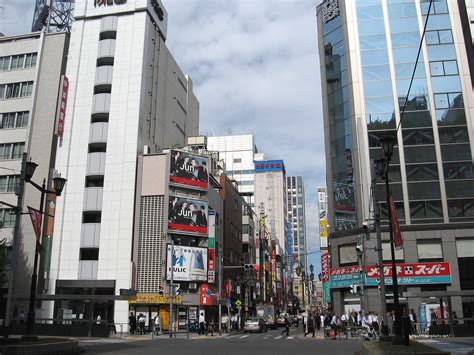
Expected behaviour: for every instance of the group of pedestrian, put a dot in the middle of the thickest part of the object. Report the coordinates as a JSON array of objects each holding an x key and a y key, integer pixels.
[{"x": 137, "y": 323}]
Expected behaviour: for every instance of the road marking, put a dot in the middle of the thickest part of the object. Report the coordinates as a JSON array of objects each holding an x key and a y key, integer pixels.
[
  {"x": 279, "y": 337},
  {"x": 243, "y": 336},
  {"x": 265, "y": 337}
]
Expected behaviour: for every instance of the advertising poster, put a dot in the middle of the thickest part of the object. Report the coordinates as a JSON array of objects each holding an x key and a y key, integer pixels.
[
  {"x": 325, "y": 276},
  {"x": 189, "y": 263},
  {"x": 187, "y": 215},
  {"x": 189, "y": 170},
  {"x": 211, "y": 248}
]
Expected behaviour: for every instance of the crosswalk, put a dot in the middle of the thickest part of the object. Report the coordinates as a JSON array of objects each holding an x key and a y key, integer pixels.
[{"x": 268, "y": 336}]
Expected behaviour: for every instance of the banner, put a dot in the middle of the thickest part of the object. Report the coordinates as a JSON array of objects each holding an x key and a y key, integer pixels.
[
  {"x": 407, "y": 274},
  {"x": 62, "y": 107},
  {"x": 189, "y": 263},
  {"x": 211, "y": 248},
  {"x": 323, "y": 233},
  {"x": 35, "y": 216},
  {"x": 397, "y": 235},
  {"x": 189, "y": 170},
  {"x": 325, "y": 276},
  {"x": 187, "y": 215}
]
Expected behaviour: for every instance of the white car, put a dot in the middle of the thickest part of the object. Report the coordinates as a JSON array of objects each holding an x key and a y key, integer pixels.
[{"x": 255, "y": 325}]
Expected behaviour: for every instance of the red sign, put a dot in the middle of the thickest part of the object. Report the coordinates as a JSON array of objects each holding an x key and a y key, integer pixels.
[
  {"x": 228, "y": 288},
  {"x": 211, "y": 257},
  {"x": 411, "y": 270},
  {"x": 205, "y": 295},
  {"x": 62, "y": 107},
  {"x": 397, "y": 235},
  {"x": 344, "y": 270},
  {"x": 324, "y": 266}
]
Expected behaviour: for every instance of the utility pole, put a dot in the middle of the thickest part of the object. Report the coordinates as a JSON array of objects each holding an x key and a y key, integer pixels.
[
  {"x": 361, "y": 257},
  {"x": 378, "y": 232},
  {"x": 171, "y": 293},
  {"x": 16, "y": 240}
]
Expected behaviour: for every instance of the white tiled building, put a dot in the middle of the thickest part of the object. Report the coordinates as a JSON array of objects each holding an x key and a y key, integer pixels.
[{"x": 127, "y": 96}]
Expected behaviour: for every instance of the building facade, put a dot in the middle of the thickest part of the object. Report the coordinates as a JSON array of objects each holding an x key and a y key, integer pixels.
[
  {"x": 127, "y": 97},
  {"x": 31, "y": 71},
  {"x": 368, "y": 52}
]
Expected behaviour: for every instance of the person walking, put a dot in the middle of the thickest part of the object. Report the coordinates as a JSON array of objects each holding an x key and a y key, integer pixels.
[
  {"x": 141, "y": 323},
  {"x": 311, "y": 324},
  {"x": 132, "y": 323},
  {"x": 287, "y": 326},
  {"x": 202, "y": 323},
  {"x": 318, "y": 321}
]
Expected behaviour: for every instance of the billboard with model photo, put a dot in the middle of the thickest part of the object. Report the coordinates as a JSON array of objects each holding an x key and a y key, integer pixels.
[
  {"x": 189, "y": 170},
  {"x": 189, "y": 263},
  {"x": 187, "y": 215}
]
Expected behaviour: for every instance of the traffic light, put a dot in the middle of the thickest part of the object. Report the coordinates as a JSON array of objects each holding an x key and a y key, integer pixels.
[
  {"x": 161, "y": 291},
  {"x": 247, "y": 267}
]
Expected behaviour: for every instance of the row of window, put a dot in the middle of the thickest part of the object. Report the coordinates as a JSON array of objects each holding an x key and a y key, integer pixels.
[
  {"x": 11, "y": 150},
  {"x": 427, "y": 250},
  {"x": 7, "y": 218},
  {"x": 16, "y": 90},
  {"x": 19, "y": 61},
  {"x": 14, "y": 119},
  {"x": 8, "y": 183}
]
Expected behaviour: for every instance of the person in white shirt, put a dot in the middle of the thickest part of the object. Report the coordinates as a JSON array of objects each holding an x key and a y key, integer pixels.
[
  {"x": 365, "y": 324},
  {"x": 202, "y": 324}
]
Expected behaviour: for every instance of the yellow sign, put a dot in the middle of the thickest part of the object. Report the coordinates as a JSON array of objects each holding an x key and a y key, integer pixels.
[
  {"x": 154, "y": 299},
  {"x": 323, "y": 228},
  {"x": 322, "y": 223}
]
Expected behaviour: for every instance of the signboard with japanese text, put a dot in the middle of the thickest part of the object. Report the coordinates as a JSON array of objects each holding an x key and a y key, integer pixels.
[
  {"x": 269, "y": 165},
  {"x": 189, "y": 263},
  {"x": 62, "y": 107},
  {"x": 189, "y": 170},
  {"x": 211, "y": 248},
  {"x": 325, "y": 276},
  {"x": 187, "y": 215},
  {"x": 408, "y": 274}
]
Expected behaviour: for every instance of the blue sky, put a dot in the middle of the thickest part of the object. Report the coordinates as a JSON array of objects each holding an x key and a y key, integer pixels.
[{"x": 255, "y": 68}]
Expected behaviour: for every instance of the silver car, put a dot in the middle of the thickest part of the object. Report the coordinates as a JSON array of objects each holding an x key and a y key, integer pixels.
[{"x": 255, "y": 325}]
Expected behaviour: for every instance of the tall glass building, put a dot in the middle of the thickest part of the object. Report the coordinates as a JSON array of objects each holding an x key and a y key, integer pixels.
[{"x": 368, "y": 52}]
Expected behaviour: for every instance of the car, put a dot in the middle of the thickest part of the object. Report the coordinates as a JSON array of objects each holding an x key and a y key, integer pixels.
[
  {"x": 255, "y": 324},
  {"x": 281, "y": 320}
]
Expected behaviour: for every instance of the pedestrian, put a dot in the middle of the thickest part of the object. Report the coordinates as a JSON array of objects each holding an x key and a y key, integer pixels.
[
  {"x": 21, "y": 317},
  {"x": 375, "y": 322},
  {"x": 287, "y": 326},
  {"x": 318, "y": 321},
  {"x": 224, "y": 322},
  {"x": 141, "y": 323},
  {"x": 157, "y": 323},
  {"x": 311, "y": 324},
  {"x": 98, "y": 320},
  {"x": 389, "y": 322},
  {"x": 413, "y": 321},
  {"x": 132, "y": 323},
  {"x": 455, "y": 318},
  {"x": 353, "y": 319},
  {"x": 202, "y": 323},
  {"x": 210, "y": 328}
]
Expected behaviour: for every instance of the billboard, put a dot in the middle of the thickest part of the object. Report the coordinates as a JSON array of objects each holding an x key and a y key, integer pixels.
[
  {"x": 189, "y": 170},
  {"x": 189, "y": 263},
  {"x": 187, "y": 215},
  {"x": 269, "y": 165}
]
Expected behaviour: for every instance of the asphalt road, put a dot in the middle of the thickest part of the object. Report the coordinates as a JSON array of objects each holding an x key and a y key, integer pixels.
[{"x": 269, "y": 343}]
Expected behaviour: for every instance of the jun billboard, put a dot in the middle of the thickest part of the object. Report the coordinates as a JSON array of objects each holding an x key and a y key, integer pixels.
[
  {"x": 187, "y": 215},
  {"x": 189, "y": 263},
  {"x": 189, "y": 170}
]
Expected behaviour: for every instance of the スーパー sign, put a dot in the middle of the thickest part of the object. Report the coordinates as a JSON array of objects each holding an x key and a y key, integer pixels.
[
  {"x": 189, "y": 263},
  {"x": 407, "y": 274},
  {"x": 189, "y": 170},
  {"x": 187, "y": 215}
]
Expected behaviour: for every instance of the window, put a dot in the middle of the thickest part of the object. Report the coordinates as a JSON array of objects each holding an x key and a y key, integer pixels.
[
  {"x": 11, "y": 150},
  {"x": 387, "y": 253},
  {"x": 429, "y": 250},
  {"x": 89, "y": 254},
  {"x": 8, "y": 183},
  {"x": 7, "y": 218},
  {"x": 16, "y": 90},
  {"x": 14, "y": 119},
  {"x": 347, "y": 254},
  {"x": 465, "y": 250},
  {"x": 446, "y": 67},
  {"x": 439, "y": 37},
  {"x": 237, "y": 160},
  {"x": 20, "y": 61}
]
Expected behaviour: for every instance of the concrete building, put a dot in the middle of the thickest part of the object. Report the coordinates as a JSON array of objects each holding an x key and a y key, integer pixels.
[
  {"x": 368, "y": 51},
  {"x": 31, "y": 69},
  {"x": 295, "y": 198},
  {"x": 127, "y": 97}
]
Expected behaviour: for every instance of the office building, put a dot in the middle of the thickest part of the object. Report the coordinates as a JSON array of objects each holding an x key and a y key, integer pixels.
[
  {"x": 31, "y": 70},
  {"x": 127, "y": 97},
  {"x": 368, "y": 52}
]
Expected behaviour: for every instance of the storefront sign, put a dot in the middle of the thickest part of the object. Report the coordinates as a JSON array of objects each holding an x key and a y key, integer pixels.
[
  {"x": 211, "y": 248},
  {"x": 269, "y": 165},
  {"x": 408, "y": 274},
  {"x": 189, "y": 170},
  {"x": 154, "y": 299},
  {"x": 325, "y": 276},
  {"x": 187, "y": 215},
  {"x": 62, "y": 107},
  {"x": 189, "y": 263}
]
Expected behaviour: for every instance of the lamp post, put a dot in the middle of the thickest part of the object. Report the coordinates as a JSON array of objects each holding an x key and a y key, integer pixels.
[
  {"x": 387, "y": 143},
  {"x": 59, "y": 184},
  {"x": 311, "y": 278}
]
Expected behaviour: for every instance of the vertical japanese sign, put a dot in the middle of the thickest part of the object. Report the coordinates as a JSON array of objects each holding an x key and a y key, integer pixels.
[
  {"x": 62, "y": 107},
  {"x": 274, "y": 278},
  {"x": 325, "y": 276},
  {"x": 397, "y": 235},
  {"x": 211, "y": 248}
]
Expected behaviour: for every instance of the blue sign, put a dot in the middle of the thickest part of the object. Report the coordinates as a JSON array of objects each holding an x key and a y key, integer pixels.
[
  {"x": 422, "y": 317},
  {"x": 344, "y": 280},
  {"x": 228, "y": 302},
  {"x": 269, "y": 165}
]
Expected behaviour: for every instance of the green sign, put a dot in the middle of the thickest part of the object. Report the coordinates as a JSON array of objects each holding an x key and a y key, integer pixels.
[
  {"x": 326, "y": 293},
  {"x": 211, "y": 243},
  {"x": 238, "y": 303}
]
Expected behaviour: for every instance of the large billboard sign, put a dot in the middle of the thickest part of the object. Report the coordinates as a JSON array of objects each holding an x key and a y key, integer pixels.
[
  {"x": 407, "y": 274},
  {"x": 187, "y": 215},
  {"x": 189, "y": 263},
  {"x": 189, "y": 170},
  {"x": 269, "y": 165}
]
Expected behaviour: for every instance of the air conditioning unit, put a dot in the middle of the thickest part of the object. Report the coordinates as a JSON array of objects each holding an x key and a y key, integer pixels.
[{"x": 193, "y": 286}]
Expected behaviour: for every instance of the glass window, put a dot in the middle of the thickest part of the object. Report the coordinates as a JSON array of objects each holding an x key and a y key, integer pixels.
[
  {"x": 441, "y": 101},
  {"x": 6, "y": 63},
  {"x": 436, "y": 68},
  {"x": 465, "y": 248},
  {"x": 445, "y": 36},
  {"x": 372, "y": 57},
  {"x": 3, "y": 183},
  {"x": 369, "y": 13},
  {"x": 21, "y": 61},
  {"x": 453, "y": 135},
  {"x": 405, "y": 70},
  {"x": 8, "y": 217},
  {"x": 17, "y": 151},
  {"x": 407, "y": 39},
  {"x": 422, "y": 172},
  {"x": 450, "y": 67},
  {"x": 406, "y": 9},
  {"x": 458, "y": 170},
  {"x": 441, "y": 52},
  {"x": 371, "y": 27},
  {"x": 347, "y": 254},
  {"x": 418, "y": 88},
  {"x": 423, "y": 210},
  {"x": 376, "y": 72},
  {"x": 451, "y": 117},
  {"x": 404, "y": 25},
  {"x": 418, "y": 136},
  {"x": 379, "y": 104},
  {"x": 387, "y": 254},
  {"x": 438, "y": 22},
  {"x": 459, "y": 188},
  {"x": 22, "y": 119},
  {"x": 432, "y": 37},
  {"x": 460, "y": 208},
  {"x": 13, "y": 181},
  {"x": 420, "y": 154},
  {"x": 423, "y": 190},
  {"x": 373, "y": 42},
  {"x": 380, "y": 121},
  {"x": 14, "y": 63},
  {"x": 455, "y": 152},
  {"x": 446, "y": 84},
  {"x": 429, "y": 249},
  {"x": 378, "y": 88},
  {"x": 406, "y": 55}
]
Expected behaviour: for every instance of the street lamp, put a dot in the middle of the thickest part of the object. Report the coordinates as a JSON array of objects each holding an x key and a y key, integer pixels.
[
  {"x": 59, "y": 184},
  {"x": 387, "y": 143}
]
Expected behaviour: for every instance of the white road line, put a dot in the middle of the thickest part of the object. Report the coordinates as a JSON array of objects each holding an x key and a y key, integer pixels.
[
  {"x": 243, "y": 336},
  {"x": 279, "y": 337},
  {"x": 265, "y": 337}
]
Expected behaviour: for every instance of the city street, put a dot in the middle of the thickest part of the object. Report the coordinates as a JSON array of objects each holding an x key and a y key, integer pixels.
[{"x": 271, "y": 342}]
